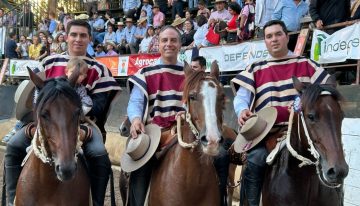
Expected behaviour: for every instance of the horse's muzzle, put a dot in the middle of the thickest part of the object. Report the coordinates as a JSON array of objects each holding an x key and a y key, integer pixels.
[{"x": 66, "y": 171}]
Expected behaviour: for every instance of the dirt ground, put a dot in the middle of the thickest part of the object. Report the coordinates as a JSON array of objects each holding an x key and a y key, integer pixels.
[{"x": 115, "y": 145}]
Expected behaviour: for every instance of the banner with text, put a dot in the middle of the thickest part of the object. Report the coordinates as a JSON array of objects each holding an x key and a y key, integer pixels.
[
  {"x": 139, "y": 61},
  {"x": 341, "y": 45},
  {"x": 235, "y": 57},
  {"x": 19, "y": 67}
]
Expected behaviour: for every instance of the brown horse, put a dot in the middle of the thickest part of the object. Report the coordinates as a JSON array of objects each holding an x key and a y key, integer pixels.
[
  {"x": 311, "y": 169},
  {"x": 52, "y": 175},
  {"x": 186, "y": 175}
]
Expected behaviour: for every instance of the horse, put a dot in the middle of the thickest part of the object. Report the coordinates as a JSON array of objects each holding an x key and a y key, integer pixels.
[
  {"x": 311, "y": 169},
  {"x": 185, "y": 175},
  {"x": 51, "y": 174}
]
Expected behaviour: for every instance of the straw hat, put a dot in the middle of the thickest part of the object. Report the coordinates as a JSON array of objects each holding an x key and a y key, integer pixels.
[
  {"x": 255, "y": 129},
  {"x": 120, "y": 23},
  {"x": 82, "y": 16},
  {"x": 178, "y": 21},
  {"x": 140, "y": 150},
  {"x": 24, "y": 97},
  {"x": 142, "y": 20},
  {"x": 129, "y": 20},
  {"x": 219, "y": 1}
]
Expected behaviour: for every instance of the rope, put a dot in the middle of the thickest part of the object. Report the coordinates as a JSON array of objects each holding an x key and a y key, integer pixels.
[{"x": 179, "y": 135}]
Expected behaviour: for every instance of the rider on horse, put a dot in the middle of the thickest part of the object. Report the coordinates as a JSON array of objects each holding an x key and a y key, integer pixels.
[
  {"x": 155, "y": 98},
  {"x": 268, "y": 83},
  {"x": 79, "y": 35}
]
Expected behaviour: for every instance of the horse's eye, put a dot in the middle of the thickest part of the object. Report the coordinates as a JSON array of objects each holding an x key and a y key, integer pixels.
[
  {"x": 311, "y": 117},
  {"x": 45, "y": 115},
  {"x": 192, "y": 96}
]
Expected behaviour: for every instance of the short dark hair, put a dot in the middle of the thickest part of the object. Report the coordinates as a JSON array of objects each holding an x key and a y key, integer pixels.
[
  {"x": 12, "y": 34},
  {"x": 201, "y": 60},
  {"x": 78, "y": 22},
  {"x": 235, "y": 7},
  {"x": 276, "y": 22},
  {"x": 201, "y": 20},
  {"x": 170, "y": 27}
]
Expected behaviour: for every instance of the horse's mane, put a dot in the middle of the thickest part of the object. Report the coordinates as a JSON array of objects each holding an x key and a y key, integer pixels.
[
  {"x": 313, "y": 91},
  {"x": 53, "y": 88}
]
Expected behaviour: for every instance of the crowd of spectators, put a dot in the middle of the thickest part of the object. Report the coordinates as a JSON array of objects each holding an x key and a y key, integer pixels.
[{"x": 136, "y": 31}]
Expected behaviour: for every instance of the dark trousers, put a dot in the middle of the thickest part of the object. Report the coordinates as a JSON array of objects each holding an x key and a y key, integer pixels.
[
  {"x": 95, "y": 153},
  {"x": 177, "y": 8}
]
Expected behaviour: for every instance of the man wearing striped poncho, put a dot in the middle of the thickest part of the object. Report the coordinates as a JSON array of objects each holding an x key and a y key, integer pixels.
[{"x": 268, "y": 83}]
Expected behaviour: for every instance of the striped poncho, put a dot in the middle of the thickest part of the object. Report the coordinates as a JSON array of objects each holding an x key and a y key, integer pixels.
[
  {"x": 270, "y": 82},
  {"x": 162, "y": 89}
]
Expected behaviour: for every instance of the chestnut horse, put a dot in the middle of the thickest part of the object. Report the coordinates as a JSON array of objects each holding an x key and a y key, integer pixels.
[
  {"x": 186, "y": 174},
  {"x": 52, "y": 175},
  {"x": 311, "y": 169}
]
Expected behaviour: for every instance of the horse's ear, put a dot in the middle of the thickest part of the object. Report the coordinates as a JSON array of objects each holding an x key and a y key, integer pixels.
[
  {"x": 331, "y": 81},
  {"x": 74, "y": 76},
  {"x": 298, "y": 85},
  {"x": 214, "y": 70},
  {"x": 39, "y": 83},
  {"x": 187, "y": 69}
]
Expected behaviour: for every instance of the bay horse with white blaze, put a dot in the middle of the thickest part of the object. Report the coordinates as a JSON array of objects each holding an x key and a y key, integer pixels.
[
  {"x": 186, "y": 174},
  {"x": 311, "y": 169},
  {"x": 52, "y": 175}
]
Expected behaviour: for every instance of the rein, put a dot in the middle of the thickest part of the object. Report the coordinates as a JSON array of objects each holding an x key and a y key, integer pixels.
[
  {"x": 183, "y": 144},
  {"x": 305, "y": 161},
  {"x": 40, "y": 150}
]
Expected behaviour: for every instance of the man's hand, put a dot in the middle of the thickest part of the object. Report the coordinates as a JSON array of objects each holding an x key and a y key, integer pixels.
[
  {"x": 244, "y": 115},
  {"x": 136, "y": 126},
  {"x": 319, "y": 24}
]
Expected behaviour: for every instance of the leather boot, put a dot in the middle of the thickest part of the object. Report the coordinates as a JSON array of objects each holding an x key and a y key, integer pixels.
[
  {"x": 99, "y": 176},
  {"x": 12, "y": 174},
  {"x": 221, "y": 164},
  {"x": 251, "y": 184}
]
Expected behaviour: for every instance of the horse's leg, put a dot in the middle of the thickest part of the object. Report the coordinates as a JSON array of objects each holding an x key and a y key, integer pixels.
[{"x": 231, "y": 181}]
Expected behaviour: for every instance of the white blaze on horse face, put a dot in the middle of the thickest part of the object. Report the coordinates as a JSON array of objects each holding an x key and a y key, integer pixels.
[{"x": 209, "y": 93}]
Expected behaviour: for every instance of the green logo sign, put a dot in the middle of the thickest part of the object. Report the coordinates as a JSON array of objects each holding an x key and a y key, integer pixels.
[{"x": 317, "y": 49}]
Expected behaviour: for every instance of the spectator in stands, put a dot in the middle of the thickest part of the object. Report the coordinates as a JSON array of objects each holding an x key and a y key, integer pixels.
[
  {"x": 159, "y": 17},
  {"x": 189, "y": 16},
  {"x": 2, "y": 18},
  {"x": 98, "y": 26},
  {"x": 59, "y": 29},
  {"x": 130, "y": 8},
  {"x": 246, "y": 23},
  {"x": 162, "y": 5},
  {"x": 263, "y": 11},
  {"x": 120, "y": 33},
  {"x": 326, "y": 12},
  {"x": 148, "y": 8},
  {"x": 26, "y": 21},
  {"x": 91, "y": 6},
  {"x": 177, "y": 8},
  {"x": 188, "y": 35},
  {"x": 139, "y": 35},
  {"x": 41, "y": 34},
  {"x": 59, "y": 45},
  {"x": 99, "y": 51},
  {"x": 234, "y": 9},
  {"x": 110, "y": 48},
  {"x": 144, "y": 45},
  {"x": 67, "y": 19},
  {"x": 45, "y": 49},
  {"x": 61, "y": 15},
  {"x": 109, "y": 35},
  {"x": 129, "y": 32},
  {"x": 34, "y": 48},
  {"x": 290, "y": 12},
  {"x": 154, "y": 43},
  {"x": 11, "y": 21},
  {"x": 221, "y": 13},
  {"x": 202, "y": 10},
  {"x": 110, "y": 21},
  {"x": 199, "y": 36},
  {"x": 52, "y": 23},
  {"x": 10, "y": 47},
  {"x": 43, "y": 25},
  {"x": 23, "y": 47},
  {"x": 178, "y": 24},
  {"x": 198, "y": 63},
  {"x": 355, "y": 10}
]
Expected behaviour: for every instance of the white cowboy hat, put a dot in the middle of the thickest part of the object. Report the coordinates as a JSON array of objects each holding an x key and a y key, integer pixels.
[
  {"x": 82, "y": 16},
  {"x": 218, "y": 1},
  {"x": 140, "y": 150},
  {"x": 178, "y": 21},
  {"x": 142, "y": 20},
  {"x": 255, "y": 129},
  {"x": 24, "y": 97}
]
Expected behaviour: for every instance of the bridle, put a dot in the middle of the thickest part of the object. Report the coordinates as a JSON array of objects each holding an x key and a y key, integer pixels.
[{"x": 296, "y": 108}]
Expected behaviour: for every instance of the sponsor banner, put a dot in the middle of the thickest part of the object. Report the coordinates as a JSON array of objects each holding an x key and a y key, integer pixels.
[
  {"x": 2, "y": 40},
  {"x": 341, "y": 45},
  {"x": 111, "y": 63},
  {"x": 235, "y": 57},
  {"x": 139, "y": 61},
  {"x": 19, "y": 67}
]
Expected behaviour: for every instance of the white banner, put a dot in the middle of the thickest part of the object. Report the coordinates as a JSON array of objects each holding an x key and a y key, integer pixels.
[
  {"x": 235, "y": 57},
  {"x": 341, "y": 45},
  {"x": 19, "y": 67},
  {"x": 2, "y": 40}
]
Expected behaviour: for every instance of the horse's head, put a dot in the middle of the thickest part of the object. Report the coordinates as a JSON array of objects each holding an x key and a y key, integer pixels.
[
  {"x": 323, "y": 116},
  {"x": 204, "y": 98},
  {"x": 57, "y": 113}
]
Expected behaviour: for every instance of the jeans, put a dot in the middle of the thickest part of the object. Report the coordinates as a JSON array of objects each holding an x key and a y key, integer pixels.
[{"x": 193, "y": 4}]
